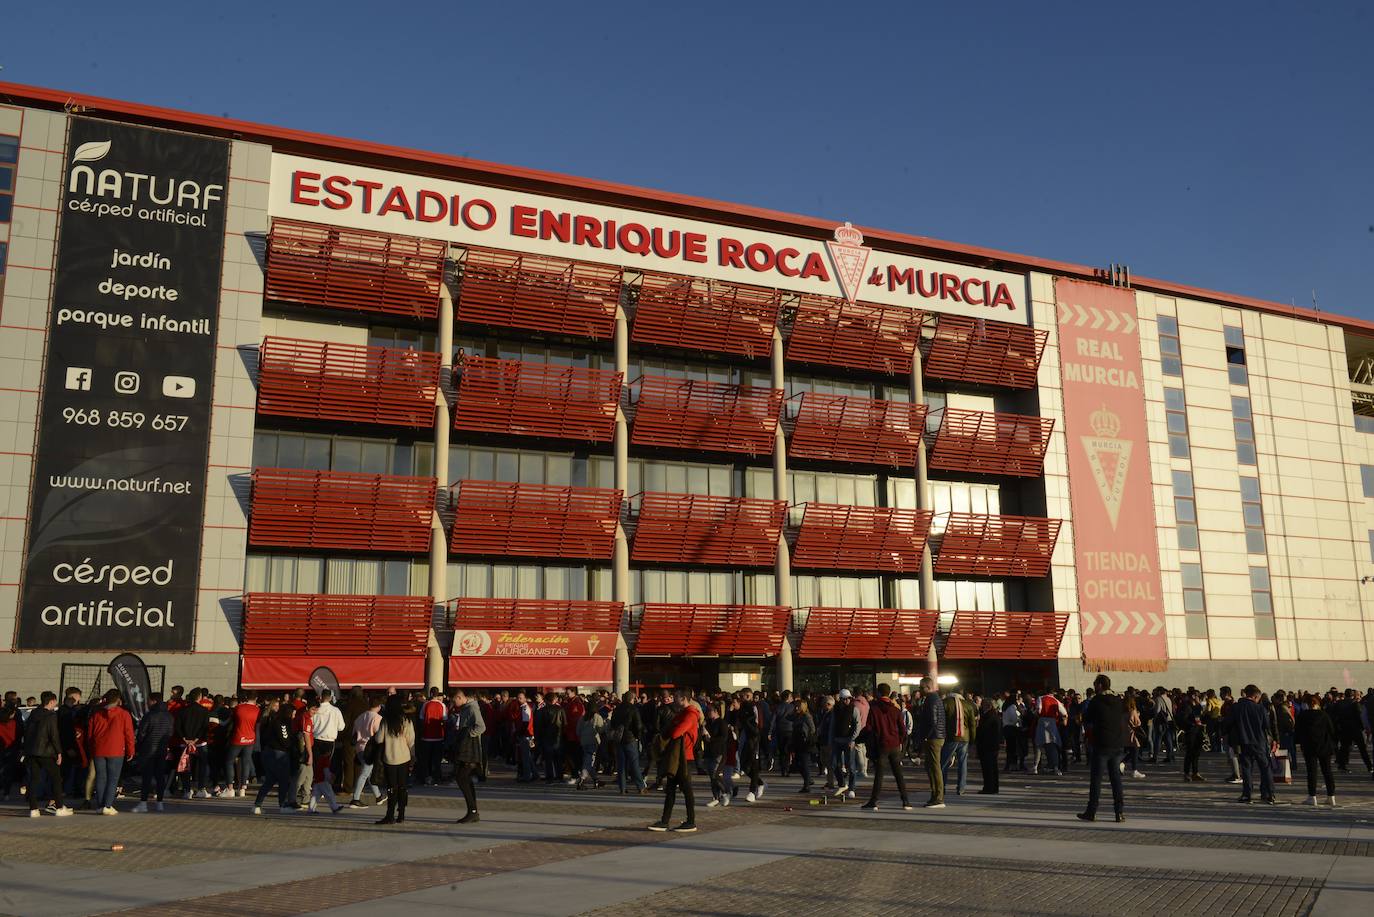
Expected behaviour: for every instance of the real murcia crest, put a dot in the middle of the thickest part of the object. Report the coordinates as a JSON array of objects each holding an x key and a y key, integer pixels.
[
  {"x": 850, "y": 257},
  {"x": 1109, "y": 457},
  {"x": 593, "y": 642}
]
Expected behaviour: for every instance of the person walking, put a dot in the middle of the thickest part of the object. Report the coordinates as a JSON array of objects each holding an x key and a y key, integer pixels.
[
  {"x": 1345, "y": 713},
  {"x": 43, "y": 755},
  {"x": 395, "y": 740},
  {"x": 549, "y": 721},
  {"x": 365, "y": 726},
  {"x": 988, "y": 742},
  {"x": 591, "y": 730},
  {"x": 1190, "y": 720},
  {"x": 749, "y": 728},
  {"x": 1163, "y": 719},
  {"x": 1316, "y": 735},
  {"x": 844, "y": 730},
  {"x": 1012, "y": 720},
  {"x": 521, "y": 717},
  {"x": 468, "y": 727},
  {"x": 886, "y": 736},
  {"x": 1104, "y": 724},
  {"x": 930, "y": 739},
  {"x": 626, "y": 730},
  {"x": 802, "y": 731},
  {"x": 677, "y": 754},
  {"x": 1257, "y": 743},
  {"x": 155, "y": 730},
  {"x": 1050, "y": 711},
  {"x": 276, "y": 738},
  {"x": 1134, "y": 732},
  {"x": 111, "y": 731},
  {"x": 961, "y": 721}
]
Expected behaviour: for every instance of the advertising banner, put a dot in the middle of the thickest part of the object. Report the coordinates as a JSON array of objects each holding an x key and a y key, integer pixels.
[
  {"x": 130, "y": 675},
  {"x": 532, "y": 657},
  {"x": 1120, "y": 604},
  {"x": 379, "y": 200},
  {"x": 323, "y": 679},
  {"x": 113, "y": 552}
]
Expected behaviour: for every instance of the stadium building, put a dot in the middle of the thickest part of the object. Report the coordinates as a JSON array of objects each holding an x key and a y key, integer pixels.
[{"x": 274, "y": 401}]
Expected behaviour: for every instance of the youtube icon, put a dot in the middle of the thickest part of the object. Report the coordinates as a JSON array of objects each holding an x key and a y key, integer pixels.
[{"x": 178, "y": 387}]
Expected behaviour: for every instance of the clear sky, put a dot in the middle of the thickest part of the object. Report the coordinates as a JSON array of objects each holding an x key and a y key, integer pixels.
[{"x": 1222, "y": 143}]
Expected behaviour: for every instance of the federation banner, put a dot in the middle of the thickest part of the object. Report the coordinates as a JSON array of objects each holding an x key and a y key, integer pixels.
[
  {"x": 1120, "y": 604},
  {"x": 532, "y": 657}
]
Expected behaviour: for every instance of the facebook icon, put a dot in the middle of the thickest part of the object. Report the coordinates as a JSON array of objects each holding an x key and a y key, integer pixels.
[{"x": 78, "y": 378}]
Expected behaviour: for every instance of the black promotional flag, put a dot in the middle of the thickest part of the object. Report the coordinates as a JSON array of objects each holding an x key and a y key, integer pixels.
[
  {"x": 323, "y": 679},
  {"x": 130, "y": 676}
]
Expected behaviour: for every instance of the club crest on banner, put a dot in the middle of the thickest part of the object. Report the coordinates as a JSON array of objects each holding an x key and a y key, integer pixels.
[
  {"x": 850, "y": 257},
  {"x": 1110, "y": 459}
]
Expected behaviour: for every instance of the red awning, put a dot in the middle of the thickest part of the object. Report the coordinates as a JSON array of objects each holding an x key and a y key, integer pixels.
[
  {"x": 532, "y": 657},
  {"x": 260, "y": 672}
]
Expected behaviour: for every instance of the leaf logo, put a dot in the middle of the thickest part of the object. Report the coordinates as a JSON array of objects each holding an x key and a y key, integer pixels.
[{"x": 90, "y": 152}]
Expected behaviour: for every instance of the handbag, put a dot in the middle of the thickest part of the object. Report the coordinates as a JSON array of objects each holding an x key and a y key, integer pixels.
[{"x": 373, "y": 749}]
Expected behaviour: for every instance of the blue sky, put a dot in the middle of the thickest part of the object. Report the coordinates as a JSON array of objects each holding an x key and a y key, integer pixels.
[{"x": 1224, "y": 144}]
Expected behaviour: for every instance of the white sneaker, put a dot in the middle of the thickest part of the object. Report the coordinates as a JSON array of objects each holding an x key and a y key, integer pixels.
[
  {"x": 311, "y": 808},
  {"x": 849, "y": 795},
  {"x": 1234, "y": 780},
  {"x": 243, "y": 791},
  {"x": 749, "y": 797},
  {"x": 1311, "y": 800},
  {"x": 1331, "y": 801},
  {"x": 34, "y": 813},
  {"x": 713, "y": 803},
  {"x": 161, "y": 807},
  {"x": 1138, "y": 775},
  {"x": 725, "y": 802},
  {"x": 109, "y": 810},
  {"x": 762, "y": 787},
  {"x": 140, "y": 808},
  {"x": 62, "y": 812},
  {"x": 188, "y": 794},
  {"x": 1122, "y": 766},
  {"x": 257, "y": 810},
  {"x": 202, "y": 794},
  {"x": 839, "y": 794}
]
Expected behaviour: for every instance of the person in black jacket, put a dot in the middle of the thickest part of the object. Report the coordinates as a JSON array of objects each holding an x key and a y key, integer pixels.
[
  {"x": 43, "y": 751},
  {"x": 988, "y": 740},
  {"x": 625, "y": 731},
  {"x": 154, "y": 732},
  {"x": 1316, "y": 734},
  {"x": 1349, "y": 731},
  {"x": 1255, "y": 733},
  {"x": 1104, "y": 723},
  {"x": 192, "y": 726}
]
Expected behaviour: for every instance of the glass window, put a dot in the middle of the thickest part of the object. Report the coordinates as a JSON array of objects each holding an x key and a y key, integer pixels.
[
  {"x": 265, "y": 450},
  {"x": 1168, "y": 325},
  {"x": 1173, "y": 399},
  {"x": 1249, "y": 490},
  {"x": 1187, "y": 537},
  {"x": 1184, "y": 510},
  {"x": 1235, "y": 338},
  {"x": 1371, "y": 544},
  {"x": 1367, "y": 479},
  {"x": 1363, "y": 422},
  {"x": 1196, "y": 626},
  {"x": 1245, "y": 431},
  {"x": 1259, "y": 578},
  {"x": 1245, "y": 453},
  {"x": 9, "y": 157},
  {"x": 315, "y": 453},
  {"x": 348, "y": 455},
  {"x": 1192, "y": 575},
  {"x": 1177, "y": 423},
  {"x": 1254, "y": 540},
  {"x": 1253, "y": 514},
  {"x": 376, "y": 458},
  {"x": 1178, "y": 446},
  {"x": 1264, "y": 627},
  {"x": 1183, "y": 484},
  {"x": 1237, "y": 374},
  {"x": 1240, "y": 407},
  {"x": 1172, "y": 366},
  {"x": 1169, "y": 345},
  {"x": 1264, "y": 603},
  {"x": 1170, "y": 359},
  {"x": 1194, "y": 600}
]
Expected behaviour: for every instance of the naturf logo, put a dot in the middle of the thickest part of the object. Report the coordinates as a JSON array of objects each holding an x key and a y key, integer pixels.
[
  {"x": 136, "y": 187},
  {"x": 1109, "y": 458},
  {"x": 850, "y": 256},
  {"x": 471, "y": 642}
]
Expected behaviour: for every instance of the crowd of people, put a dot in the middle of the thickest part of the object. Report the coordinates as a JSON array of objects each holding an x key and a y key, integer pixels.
[{"x": 319, "y": 752}]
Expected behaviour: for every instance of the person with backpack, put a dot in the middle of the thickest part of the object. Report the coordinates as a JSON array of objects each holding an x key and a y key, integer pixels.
[
  {"x": 1163, "y": 722},
  {"x": 624, "y": 733},
  {"x": 886, "y": 733}
]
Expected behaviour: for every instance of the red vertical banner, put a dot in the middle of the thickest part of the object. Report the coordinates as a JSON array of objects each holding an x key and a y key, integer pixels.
[{"x": 1120, "y": 603}]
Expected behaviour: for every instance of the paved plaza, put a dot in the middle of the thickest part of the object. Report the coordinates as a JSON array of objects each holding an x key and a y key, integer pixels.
[{"x": 1184, "y": 849}]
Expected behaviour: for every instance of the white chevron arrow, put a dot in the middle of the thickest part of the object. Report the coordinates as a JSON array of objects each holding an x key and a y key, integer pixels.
[
  {"x": 1158, "y": 624},
  {"x": 1082, "y": 316},
  {"x": 1129, "y": 320},
  {"x": 1125, "y": 622},
  {"x": 1097, "y": 317},
  {"x": 1104, "y": 625},
  {"x": 1089, "y": 624},
  {"x": 1062, "y": 310},
  {"x": 1113, "y": 319},
  {"x": 1139, "y": 622}
]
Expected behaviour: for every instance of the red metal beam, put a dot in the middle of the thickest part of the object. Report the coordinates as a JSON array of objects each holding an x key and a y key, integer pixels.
[
  {"x": 987, "y": 353},
  {"x": 854, "y": 335},
  {"x": 295, "y": 508},
  {"x": 701, "y": 314},
  {"x": 709, "y": 416},
  {"x": 534, "y": 614},
  {"x": 354, "y": 270},
  {"x": 288, "y": 624},
  {"x": 697, "y": 529},
  {"x": 540, "y": 293},
  {"x": 534, "y": 520},
  {"x": 984, "y": 442},
  {"x": 862, "y": 537},
  {"x": 848, "y": 428},
  {"x": 983, "y": 545},
  {"x": 867, "y": 633},
  {"x": 711, "y": 630},
  {"x": 1005, "y": 635},
  {"x": 515, "y": 397},
  {"x": 347, "y": 382}
]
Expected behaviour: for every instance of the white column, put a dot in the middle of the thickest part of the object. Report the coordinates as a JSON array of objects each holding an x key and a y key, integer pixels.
[
  {"x": 782, "y": 567},
  {"x": 438, "y": 544},
  {"x": 620, "y": 570},
  {"x": 929, "y": 599}
]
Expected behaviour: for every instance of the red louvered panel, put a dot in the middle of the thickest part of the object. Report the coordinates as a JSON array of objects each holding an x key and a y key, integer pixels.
[
  {"x": 537, "y": 399},
  {"x": 534, "y": 614},
  {"x": 293, "y": 508},
  {"x": 856, "y": 335},
  {"x": 984, "y": 352},
  {"x": 711, "y": 630},
  {"x": 862, "y": 537},
  {"x": 709, "y": 416},
  {"x": 697, "y": 529},
  {"x": 867, "y": 633},
  {"x": 987, "y": 443},
  {"x": 983, "y": 545},
  {"x": 543, "y": 294},
  {"x": 347, "y": 382},
  {"x": 847, "y": 428},
  {"x": 287, "y": 624},
  {"x": 1005, "y": 635},
  {"x": 701, "y": 314},
  {"x": 534, "y": 520},
  {"x": 352, "y": 269}
]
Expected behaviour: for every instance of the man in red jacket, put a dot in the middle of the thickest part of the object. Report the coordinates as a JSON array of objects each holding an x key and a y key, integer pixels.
[
  {"x": 112, "y": 743},
  {"x": 886, "y": 733},
  {"x": 685, "y": 729}
]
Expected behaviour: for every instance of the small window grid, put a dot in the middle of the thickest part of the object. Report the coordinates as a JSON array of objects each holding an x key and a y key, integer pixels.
[
  {"x": 1253, "y": 512},
  {"x": 1367, "y": 480},
  {"x": 1176, "y": 422},
  {"x": 1235, "y": 356},
  {"x": 1170, "y": 354},
  {"x": 1244, "y": 425},
  {"x": 1185, "y": 511},
  {"x": 9, "y": 167}
]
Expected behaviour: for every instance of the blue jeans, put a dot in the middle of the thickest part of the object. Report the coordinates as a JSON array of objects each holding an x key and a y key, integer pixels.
[
  {"x": 1164, "y": 735},
  {"x": 553, "y": 760},
  {"x": 240, "y": 759},
  {"x": 845, "y": 760},
  {"x": 955, "y": 753},
  {"x": 1110, "y": 762},
  {"x": 627, "y": 761},
  {"x": 277, "y": 763},
  {"x": 1255, "y": 756},
  {"x": 364, "y": 775},
  {"x": 525, "y": 756},
  {"x": 107, "y": 772},
  {"x": 154, "y": 770}
]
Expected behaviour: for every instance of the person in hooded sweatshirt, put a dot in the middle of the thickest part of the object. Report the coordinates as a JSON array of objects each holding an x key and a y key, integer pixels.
[{"x": 154, "y": 732}]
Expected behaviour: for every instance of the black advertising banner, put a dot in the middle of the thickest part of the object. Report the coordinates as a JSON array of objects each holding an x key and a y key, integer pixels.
[
  {"x": 130, "y": 675},
  {"x": 119, "y": 473},
  {"x": 323, "y": 679}
]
